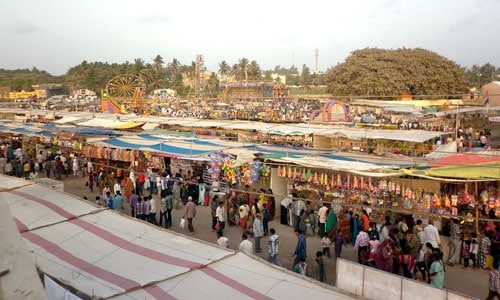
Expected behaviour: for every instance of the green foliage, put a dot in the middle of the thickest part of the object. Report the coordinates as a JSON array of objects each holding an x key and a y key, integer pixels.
[
  {"x": 366, "y": 72},
  {"x": 23, "y": 79},
  {"x": 379, "y": 72}
]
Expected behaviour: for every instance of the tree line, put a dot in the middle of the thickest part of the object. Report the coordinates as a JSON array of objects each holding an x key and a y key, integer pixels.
[{"x": 369, "y": 71}]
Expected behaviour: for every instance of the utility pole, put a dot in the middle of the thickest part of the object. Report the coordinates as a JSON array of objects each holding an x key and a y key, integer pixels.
[{"x": 316, "y": 56}]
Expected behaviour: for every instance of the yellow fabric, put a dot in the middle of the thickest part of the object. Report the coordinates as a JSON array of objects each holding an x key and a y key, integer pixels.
[
  {"x": 476, "y": 171},
  {"x": 129, "y": 125}
]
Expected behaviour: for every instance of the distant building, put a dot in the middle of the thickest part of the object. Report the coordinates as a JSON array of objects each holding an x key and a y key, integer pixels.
[{"x": 491, "y": 93}]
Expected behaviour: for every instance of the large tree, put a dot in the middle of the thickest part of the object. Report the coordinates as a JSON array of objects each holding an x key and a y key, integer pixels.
[{"x": 379, "y": 72}]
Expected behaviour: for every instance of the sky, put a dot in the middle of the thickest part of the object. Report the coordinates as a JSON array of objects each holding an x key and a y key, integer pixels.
[{"x": 55, "y": 35}]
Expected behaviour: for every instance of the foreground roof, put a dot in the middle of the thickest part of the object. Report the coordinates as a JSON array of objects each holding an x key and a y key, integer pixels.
[{"x": 108, "y": 255}]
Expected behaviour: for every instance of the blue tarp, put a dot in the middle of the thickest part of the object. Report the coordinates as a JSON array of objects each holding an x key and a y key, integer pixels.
[
  {"x": 81, "y": 130},
  {"x": 150, "y": 137},
  {"x": 178, "y": 151},
  {"x": 122, "y": 144},
  {"x": 20, "y": 130},
  {"x": 190, "y": 140}
]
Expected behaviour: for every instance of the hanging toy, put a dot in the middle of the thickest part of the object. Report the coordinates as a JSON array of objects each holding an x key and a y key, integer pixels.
[
  {"x": 447, "y": 202},
  {"x": 315, "y": 180}
]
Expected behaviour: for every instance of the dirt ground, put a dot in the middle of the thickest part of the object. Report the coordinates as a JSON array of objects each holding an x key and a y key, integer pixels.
[{"x": 473, "y": 283}]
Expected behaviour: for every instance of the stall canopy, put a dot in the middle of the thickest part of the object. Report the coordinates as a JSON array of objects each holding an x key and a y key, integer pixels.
[
  {"x": 466, "y": 159},
  {"x": 165, "y": 145},
  {"x": 355, "y": 167},
  {"x": 480, "y": 166},
  {"x": 106, "y": 255},
  {"x": 81, "y": 130}
]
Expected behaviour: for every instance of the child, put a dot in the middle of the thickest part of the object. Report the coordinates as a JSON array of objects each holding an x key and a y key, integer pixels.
[
  {"x": 373, "y": 245},
  {"x": 301, "y": 267},
  {"x": 109, "y": 200},
  {"x": 325, "y": 245},
  {"x": 338, "y": 241},
  {"x": 98, "y": 200},
  {"x": 320, "y": 267},
  {"x": 474, "y": 249},
  {"x": 466, "y": 253}
]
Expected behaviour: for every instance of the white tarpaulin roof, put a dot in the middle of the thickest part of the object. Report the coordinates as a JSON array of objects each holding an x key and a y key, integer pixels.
[
  {"x": 106, "y": 120},
  {"x": 443, "y": 150},
  {"x": 357, "y": 167},
  {"x": 108, "y": 255}
]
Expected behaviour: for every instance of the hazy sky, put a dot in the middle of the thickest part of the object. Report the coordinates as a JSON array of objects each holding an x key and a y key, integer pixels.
[{"x": 56, "y": 35}]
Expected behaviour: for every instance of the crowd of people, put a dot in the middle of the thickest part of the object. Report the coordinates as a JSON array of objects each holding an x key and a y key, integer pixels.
[{"x": 401, "y": 246}]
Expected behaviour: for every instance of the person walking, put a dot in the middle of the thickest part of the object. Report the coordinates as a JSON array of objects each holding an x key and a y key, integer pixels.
[
  {"x": 169, "y": 205},
  {"x": 432, "y": 235},
  {"x": 258, "y": 232},
  {"x": 190, "y": 213},
  {"x": 273, "y": 248},
  {"x": 285, "y": 206},
  {"x": 134, "y": 199},
  {"x": 436, "y": 270},
  {"x": 494, "y": 282},
  {"x": 214, "y": 204},
  {"x": 152, "y": 210},
  {"x": 361, "y": 245},
  {"x": 322, "y": 214},
  {"x": 455, "y": 243},
  {"x": 300, "y": 253},
  {"x": 320, "y": 267},
  {"x": 146, "y": 208},
  {"x": 220, "y": 213}
]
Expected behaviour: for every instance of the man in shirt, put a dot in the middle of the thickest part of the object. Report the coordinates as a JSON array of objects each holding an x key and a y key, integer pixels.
[
  {"x": 322, "y": 214},
  {"x": 258, "y": 232},
  {"x": 222, "y": 241},
  {"x": 494, "y": 282},
  {"x": 245, "y": 245},
  {"x": 243, "y": 211},
  {"x": 153, "y": 210},
  {"x": 220, "y": 213},
  {"x": 117, "y": 187},
  {"x": 285, "y": 206},
  {"x": 361, "y": 245},
  {"x": 190, "y": 213},
  {"x": 140, "y": 183},
  {"x": 298, "y": 205},
  {"x": 273, "y": 248},
  {"x": 133, "y": 204},
  {"x": 300, "y": 252},
  {"x": 432, "y": 235}
]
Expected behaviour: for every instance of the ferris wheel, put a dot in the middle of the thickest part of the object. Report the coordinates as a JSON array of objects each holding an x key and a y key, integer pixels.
[{"x": 124, "y": 86}]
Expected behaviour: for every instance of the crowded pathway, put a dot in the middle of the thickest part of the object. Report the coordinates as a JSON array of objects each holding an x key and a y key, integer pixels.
[{"x": 473, "y": 282}]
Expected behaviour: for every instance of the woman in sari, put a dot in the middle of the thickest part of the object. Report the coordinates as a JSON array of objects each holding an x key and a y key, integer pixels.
[{"x": 356, "y": 226}]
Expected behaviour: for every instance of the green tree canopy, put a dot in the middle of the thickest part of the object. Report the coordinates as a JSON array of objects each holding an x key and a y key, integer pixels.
[{"x": 379, "y": 72}]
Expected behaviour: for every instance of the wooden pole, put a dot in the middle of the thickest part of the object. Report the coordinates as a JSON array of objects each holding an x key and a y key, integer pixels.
[{"x": 476, "y": 205}]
